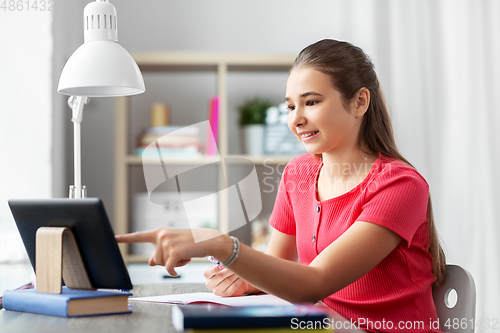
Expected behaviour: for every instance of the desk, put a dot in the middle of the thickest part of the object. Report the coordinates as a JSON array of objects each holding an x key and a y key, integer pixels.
[{"x": 145, "y": 317}]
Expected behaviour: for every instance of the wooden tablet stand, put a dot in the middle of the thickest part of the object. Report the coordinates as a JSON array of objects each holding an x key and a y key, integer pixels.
[{"x": 57, "y": 257}]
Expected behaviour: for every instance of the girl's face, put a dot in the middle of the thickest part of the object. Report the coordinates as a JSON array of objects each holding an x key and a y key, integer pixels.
[{"x": 317, "y": 116}]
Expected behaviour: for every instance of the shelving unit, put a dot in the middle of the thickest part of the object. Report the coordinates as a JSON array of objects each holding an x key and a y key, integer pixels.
[{"x": 221, "y": 64}]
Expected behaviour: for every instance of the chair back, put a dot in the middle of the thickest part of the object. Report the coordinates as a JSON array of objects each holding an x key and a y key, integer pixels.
[{"x": 459, "y": 317}]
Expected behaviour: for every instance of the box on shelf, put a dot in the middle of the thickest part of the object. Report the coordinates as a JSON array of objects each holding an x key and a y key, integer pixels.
[
  {"x": 278, "y": 139},
  {"x": 171, "y": 214}
]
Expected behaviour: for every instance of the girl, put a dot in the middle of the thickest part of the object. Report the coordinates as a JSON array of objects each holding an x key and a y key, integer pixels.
[{"x": 356, "y": 213}]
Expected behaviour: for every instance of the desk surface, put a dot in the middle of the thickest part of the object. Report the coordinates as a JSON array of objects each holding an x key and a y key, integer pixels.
[{"x": 145, "y": 317}]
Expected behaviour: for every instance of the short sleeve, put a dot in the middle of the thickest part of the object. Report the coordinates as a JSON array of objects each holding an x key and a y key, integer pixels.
[
  {"x": 282, "y": 218},
  {"x": 397, "y": 199}
]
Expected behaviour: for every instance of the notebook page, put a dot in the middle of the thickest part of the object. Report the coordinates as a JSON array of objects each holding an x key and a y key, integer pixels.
[{"x": 250, "y": 300}]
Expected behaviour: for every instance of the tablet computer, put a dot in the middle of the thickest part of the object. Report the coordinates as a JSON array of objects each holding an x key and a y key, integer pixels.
[{"x": 89, "y": 223}]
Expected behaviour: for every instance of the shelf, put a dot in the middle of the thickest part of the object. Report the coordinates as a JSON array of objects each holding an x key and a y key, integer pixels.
[
  {"x": 222, "y": 65},
  {"x": 134, "y": 159},
  {"x": 182, "y": 60},
  {"x": 268, "y": 160},
  {"x": 265, "y": 159}
]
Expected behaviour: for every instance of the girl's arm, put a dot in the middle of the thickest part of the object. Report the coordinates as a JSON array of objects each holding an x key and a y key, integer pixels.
[
  {"x": 224, "y": 282},
  {"x": 351, "y": 256},
  {"x": 280, "y": 246},
  {"x": 344, "y": 261}
]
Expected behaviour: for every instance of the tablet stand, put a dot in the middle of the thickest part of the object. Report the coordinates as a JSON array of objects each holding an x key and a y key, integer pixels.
[{"x": 58, "y": 258}]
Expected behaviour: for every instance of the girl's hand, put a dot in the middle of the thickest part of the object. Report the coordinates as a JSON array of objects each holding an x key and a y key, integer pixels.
[
  {"x": 176, "y": 247},
  {"x": 223, "y": 282}
]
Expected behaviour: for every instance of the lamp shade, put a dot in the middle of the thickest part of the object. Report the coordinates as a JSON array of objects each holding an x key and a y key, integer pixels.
[{"x": 100, "y": 67}]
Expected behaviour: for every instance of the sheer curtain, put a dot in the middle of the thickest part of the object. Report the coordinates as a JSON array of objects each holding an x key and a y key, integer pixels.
[
  {"x": 25, "y": 117},
  {"x": 439, "y": 63},
  {"x": 465, "y": 175}
]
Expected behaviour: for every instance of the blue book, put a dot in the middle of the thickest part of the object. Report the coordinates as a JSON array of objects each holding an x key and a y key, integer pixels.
[
  {"x": 215, "y": 316},
  {"x": 71, "y": 303}
]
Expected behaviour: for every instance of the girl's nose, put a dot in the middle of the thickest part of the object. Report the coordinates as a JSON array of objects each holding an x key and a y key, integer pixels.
[{"x": 296, "y": 117}]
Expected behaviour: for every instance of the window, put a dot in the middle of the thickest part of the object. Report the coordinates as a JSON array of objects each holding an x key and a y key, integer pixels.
[{"x": 25, "y": 118}]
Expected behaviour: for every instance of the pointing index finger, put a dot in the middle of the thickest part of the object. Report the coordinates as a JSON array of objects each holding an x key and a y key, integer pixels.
[{"x": 137, "y": 237}]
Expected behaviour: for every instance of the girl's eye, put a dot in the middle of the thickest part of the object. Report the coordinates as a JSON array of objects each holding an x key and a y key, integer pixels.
[
  {"x": 290, "y": 108},
  {"x": 311, "y": 103}
]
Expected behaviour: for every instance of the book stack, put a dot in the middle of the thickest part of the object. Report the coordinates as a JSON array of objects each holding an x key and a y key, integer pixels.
[
  {"x": 169, "y": 141},
  {"x": 179, "y": 141}
]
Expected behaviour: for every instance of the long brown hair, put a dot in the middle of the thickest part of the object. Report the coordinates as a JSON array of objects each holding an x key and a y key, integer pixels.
[{"x": 350, "y": 69}]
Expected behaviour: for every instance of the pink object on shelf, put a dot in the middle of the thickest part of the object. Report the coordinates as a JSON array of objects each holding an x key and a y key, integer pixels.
[{"x": 213, "y": 131}]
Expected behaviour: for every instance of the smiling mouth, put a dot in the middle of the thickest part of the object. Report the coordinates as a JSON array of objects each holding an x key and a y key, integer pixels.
[{"x": 306, "y": 135}]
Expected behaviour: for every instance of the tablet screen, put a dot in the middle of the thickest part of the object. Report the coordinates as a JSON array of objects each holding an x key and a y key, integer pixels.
[{"x": 89, "y": 223}]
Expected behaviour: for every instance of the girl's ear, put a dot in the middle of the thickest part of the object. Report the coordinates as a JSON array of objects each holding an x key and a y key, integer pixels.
[{"x": 361, "y": 102}]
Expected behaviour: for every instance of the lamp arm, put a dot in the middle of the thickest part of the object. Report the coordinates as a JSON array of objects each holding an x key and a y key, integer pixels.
[{"x": 76, "y": 104}]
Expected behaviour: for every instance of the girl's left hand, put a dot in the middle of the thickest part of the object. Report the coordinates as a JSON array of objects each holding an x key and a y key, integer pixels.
[
  {"x": 223, "y": 282},
  {"x": 176, "y": 247}
]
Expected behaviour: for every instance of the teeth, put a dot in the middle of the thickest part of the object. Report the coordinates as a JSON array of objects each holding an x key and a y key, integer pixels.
[{"x": 308, "y": 134}]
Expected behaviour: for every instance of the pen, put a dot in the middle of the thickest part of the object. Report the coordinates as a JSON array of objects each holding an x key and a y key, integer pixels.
[
  {"x": 26, "y": 286},
  {"x": 122, "y": 290},
  {"x": 212, "y": 259}
]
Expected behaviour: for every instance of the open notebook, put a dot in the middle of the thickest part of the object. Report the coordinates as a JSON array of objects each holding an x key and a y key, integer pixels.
[{"x": 207, "y": 297}]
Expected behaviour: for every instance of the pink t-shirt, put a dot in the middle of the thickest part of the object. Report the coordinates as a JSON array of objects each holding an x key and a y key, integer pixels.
[{"x": 398, "y": 290}]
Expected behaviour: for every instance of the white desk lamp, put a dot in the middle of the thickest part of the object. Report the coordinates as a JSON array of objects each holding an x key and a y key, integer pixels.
[{"x": 98, "y": 68}]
